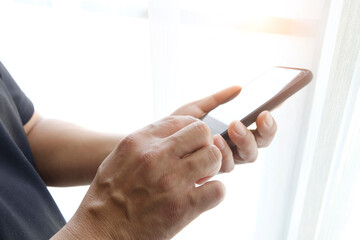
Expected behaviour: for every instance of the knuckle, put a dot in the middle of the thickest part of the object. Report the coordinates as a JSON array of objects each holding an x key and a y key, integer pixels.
[
  {"x": 268, "y": 132},
  {"x": 242, "y": 140},
  {"x": 262, "y": 143},
  {"x": 175, "y": 210},
  {"x": 219, "y": 191},
  {"x": 227, "y": 167},
  {"x": 215, "y": 152},
  {"x": 152, "y": 127},
  {"x": 148, "y": 158},
  {"x": 171, "y": 119},
  {"x": 191, "y": 166},
  {"x": 253, "y": 157},
  {"x": 264, "y": 138},
  {"x": 214, "y": 156},
  {"x": 247, "y": 140},
  {"x": 102, "y": 178},
  {"x": 271, "y": 129},
  {"x": 248, "y": 154},
  {"x": 127, "y": 144},
  {"x": 174, "y": 121},
  {"x": 191, "y": 118},
  {"x": 202, "y": 129},
  {"x": 274, "y": 128},
  {"x": 193, "y": 200}
]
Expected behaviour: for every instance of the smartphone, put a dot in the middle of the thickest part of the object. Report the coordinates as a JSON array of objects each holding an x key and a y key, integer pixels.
[{"x": 265, "y": 92}]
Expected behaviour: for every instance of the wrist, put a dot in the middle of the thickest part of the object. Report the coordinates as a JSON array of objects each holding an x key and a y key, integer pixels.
[
  {"x": 64, "y": 234},
  {"x": 81, "y": 230},
  {"x": 94, "y": 220}
]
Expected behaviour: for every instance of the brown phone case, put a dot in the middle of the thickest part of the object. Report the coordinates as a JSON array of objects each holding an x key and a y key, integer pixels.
[{"x": 295, "y": 85}]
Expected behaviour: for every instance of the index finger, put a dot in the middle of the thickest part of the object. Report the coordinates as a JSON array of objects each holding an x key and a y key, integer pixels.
[
  {"x": 170, "y": 125},
  {"x": 209, "y": 103}
]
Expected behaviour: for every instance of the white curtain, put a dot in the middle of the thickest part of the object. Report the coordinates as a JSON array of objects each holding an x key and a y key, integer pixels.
[{"x": 330, "y": 183}]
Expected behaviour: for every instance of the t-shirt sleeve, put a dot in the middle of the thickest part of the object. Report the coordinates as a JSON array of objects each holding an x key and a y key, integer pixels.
[{"x": 22, "y": 102}]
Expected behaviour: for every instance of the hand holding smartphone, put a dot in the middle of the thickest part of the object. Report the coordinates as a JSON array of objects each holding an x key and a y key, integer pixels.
[{"x": 266, "y": 92}]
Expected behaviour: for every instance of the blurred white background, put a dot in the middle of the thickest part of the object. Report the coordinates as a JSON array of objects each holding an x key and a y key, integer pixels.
[{"x": 116, "y": 66}]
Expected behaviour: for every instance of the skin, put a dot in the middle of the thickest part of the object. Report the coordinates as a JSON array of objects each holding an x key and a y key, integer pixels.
[
  {"x": 146, "y": 186},
  {"x": 66, "y": 154}
]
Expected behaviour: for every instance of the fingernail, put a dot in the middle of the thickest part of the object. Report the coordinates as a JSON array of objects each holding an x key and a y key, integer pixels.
[
  {"x": 269, "y": 120},
  {"x": 240, "y": 129}
]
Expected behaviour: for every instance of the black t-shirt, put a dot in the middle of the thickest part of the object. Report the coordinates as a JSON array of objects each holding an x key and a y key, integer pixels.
[{"x": 27, "y": 210}]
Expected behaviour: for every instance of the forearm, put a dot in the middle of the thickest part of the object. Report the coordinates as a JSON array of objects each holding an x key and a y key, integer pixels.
[{"x": 66, "y": 154}]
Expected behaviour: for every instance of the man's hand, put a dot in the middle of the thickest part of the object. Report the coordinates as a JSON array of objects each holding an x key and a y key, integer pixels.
[
  {"x": 145, "y": 189},
  {"x": 247, "y": 141}
]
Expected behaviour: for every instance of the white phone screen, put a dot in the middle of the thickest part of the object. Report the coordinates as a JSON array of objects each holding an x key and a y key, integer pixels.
[{"x": 253, "y": 95}]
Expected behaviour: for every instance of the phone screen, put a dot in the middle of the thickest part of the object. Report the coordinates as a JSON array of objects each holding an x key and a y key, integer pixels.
[{"x": 252, "y": 96}]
